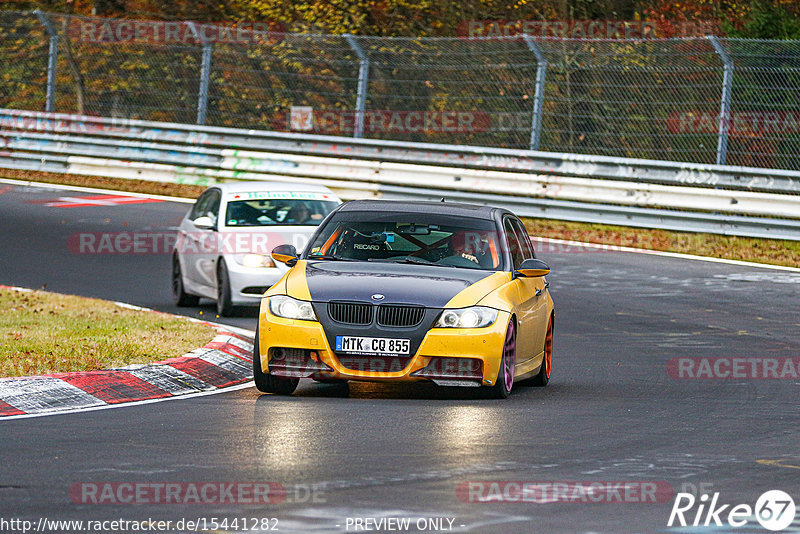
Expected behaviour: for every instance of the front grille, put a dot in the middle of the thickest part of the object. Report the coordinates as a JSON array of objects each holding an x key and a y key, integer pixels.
[
  {"x": 350, "y": 312},
  {"x": 392, "y": 315}
]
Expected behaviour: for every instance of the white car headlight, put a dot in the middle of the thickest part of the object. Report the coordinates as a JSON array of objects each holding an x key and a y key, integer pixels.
[
  {"x": 289, "y": 308},
  {"x": 474, "y": 317},
  {"x": 254, "y": 260}
]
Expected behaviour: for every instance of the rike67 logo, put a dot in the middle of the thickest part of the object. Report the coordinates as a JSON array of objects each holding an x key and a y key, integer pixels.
[{"x": 774, "y": 510}]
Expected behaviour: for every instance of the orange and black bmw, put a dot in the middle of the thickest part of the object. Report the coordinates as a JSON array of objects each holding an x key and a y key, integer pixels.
[{"x": 409, "y": 291}]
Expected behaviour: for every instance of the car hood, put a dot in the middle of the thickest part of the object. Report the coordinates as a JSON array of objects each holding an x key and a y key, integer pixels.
[{"x": 422, "y": 285}]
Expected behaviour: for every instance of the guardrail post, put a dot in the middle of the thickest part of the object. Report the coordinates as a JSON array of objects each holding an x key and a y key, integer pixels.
[
  {"x": 363, "y": 77},
  {"x": 538, "y": 96},
  {"x": 725, "y": 100},
  {"x": 52, "y": 61},
  {"x": 205, "y": 75}
]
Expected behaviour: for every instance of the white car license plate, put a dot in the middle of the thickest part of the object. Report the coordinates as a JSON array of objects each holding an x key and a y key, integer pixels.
[{"x": 378, "y": 346}]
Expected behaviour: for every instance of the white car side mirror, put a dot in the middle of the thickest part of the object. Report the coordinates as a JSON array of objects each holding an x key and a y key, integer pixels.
[{"x": 203, "y": 223}]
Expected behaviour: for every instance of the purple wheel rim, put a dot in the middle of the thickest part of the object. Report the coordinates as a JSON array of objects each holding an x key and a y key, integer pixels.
[
  {"x": 510, "y": 355},
  {"x": 548, "y": 349}
]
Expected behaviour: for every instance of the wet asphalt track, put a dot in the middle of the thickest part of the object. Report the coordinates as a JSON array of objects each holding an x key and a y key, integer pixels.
[{"x": 610, "y": 413}]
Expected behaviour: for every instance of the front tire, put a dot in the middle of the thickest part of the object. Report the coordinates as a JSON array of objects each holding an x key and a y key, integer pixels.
[
  {"x": 542, "y": 379},
  {"x": 265, "y": 382},
  {"x": 179, "y": 295},
  {"x": 505, "y": 375},
  {"x": 224, "y": 302}
]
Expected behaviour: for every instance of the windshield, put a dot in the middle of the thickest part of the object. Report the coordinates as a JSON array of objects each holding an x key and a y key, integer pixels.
[
  {"x": 449, "y": 242},
  {"x": 278, "y": 211}
]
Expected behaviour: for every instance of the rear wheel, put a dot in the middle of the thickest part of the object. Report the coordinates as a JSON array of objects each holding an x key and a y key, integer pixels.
[
  {"x": 265, "y": 382},
  {"x": 179, "y": 294},
  {"x": 505, "y": 375},
  {"x": 224, "y": 303}
]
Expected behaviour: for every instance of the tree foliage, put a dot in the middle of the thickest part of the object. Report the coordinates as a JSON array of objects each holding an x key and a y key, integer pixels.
[{"x": 778, "y": 19}]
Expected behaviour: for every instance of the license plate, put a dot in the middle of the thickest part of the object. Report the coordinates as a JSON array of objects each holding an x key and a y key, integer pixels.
[{"x": 377, "y": 346}]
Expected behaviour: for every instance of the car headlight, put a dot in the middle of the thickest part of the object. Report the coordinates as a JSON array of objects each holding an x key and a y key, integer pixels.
[
  {"x": 254, "y": 260},
  {"x": 474, "y": 317},
  {"x": 289, "y": 308}
]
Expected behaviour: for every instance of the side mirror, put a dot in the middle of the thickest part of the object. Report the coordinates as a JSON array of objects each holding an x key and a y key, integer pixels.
[
  {"x": 532, "y": 268},
  {"x": 285, "y": 254},
  {"x": 203, "y": 223}
]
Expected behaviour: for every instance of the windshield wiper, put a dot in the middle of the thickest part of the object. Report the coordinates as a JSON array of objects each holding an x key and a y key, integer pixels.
[
  {"x": 329, "y": 257},
  {"x": 410, "y": 259}
]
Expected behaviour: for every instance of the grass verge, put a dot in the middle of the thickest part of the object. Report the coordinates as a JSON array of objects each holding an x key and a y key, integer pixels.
[
  {"x": 116, "y": 184},
  {"x": 42, "y": 333},
  {"x": 771, "y": 251}
]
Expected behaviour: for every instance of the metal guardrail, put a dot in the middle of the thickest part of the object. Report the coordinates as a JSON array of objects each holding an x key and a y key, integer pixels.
[{"x": 659, "y": 194}]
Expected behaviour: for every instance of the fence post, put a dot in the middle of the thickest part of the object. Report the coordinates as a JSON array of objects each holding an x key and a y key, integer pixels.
[
  {"x": 363, "y": 76},
  {"x": 205, "y": 74},
  {"x": 538, "y": 96},
  {"x": 725, "y": 100},
  {"x": 52, "y": 61}
]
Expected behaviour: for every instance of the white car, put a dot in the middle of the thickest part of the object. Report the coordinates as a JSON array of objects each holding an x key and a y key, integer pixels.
[{"x": 222, "y": 250}]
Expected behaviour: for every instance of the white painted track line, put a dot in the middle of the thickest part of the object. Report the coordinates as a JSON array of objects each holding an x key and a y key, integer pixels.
[
  {"x": 62, "y": 187},
  {"x": 679, "y": 255}
]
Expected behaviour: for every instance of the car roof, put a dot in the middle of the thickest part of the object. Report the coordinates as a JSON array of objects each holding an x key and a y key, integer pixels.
[
  {"x": 458, "y": 209},
  {"x": 247, "y": 186}
]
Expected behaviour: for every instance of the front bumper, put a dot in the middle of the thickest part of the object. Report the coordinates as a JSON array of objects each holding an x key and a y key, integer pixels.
[
  {"x": 447, "y": 356},
  {"x": 248, "y": 284}
]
